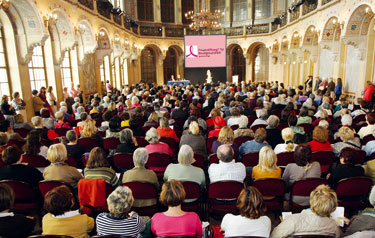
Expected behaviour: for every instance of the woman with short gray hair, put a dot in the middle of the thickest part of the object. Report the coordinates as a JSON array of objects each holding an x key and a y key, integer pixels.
[
  {"x": 128, "y": 142},
  {"x": 242, "y": 128},
  {"x": 119, "y": 221},
  {"x": 155, "y": 146}
]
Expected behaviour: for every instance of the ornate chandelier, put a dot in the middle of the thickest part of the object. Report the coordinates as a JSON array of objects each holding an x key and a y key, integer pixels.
[{"x": 204, "y": 20}]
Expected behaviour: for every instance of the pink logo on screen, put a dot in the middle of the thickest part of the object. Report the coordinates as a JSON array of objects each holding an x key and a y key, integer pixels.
[{"x": 191, "y": 51}]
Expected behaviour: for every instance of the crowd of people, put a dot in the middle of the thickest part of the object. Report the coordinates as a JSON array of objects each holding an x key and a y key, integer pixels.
[{"x": 223, "y": 121}]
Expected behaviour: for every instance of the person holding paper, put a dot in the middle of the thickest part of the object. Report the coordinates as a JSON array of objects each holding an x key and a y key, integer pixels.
[{"x": 314, "y": 221}]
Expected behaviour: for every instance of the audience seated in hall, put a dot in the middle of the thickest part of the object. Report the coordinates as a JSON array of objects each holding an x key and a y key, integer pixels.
[
  {"x": 266, "y": 167},
  {"x": 256, "y": 144}
]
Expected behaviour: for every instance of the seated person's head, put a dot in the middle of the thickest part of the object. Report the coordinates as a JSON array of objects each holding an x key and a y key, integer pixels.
[
  {"x": 114, "y": 124},
  {"x": 320, "y": 134},
  {"x": 346, "y": 134},
  {"x": 172, "y": 193},
  {"x": 226, "y": 135},
  {"x": 323, "y": 201},
  {"x": 120, "y": 202},
  {"x": 57, "y": 153},
  {"x": 97, "y": 159},
  {"x": 164, "y": 122},
  {"x": 36, "y": 121},
  {"x": 49, "y": 123},
  {"x": 3, "y": 138},
  {"x": 225, "y": 153},
  {"x": 140, "y": 157},
  {"x": 4, "y": 125},
  {"x": 59, "y": 200},
  {"x": 83, "y": 116},
  {"x": 304, "y": 112},
  {"x": 260, "y": 135},
  {"x": 370, "y": 118},
  {"x": 11, "y": 155},
  {"x": 267, "y": 159},
  {"x": 273, "y": 121},
  {"x": 323, "y": 123},
  {"x": 107, "y": 115},
  {"x": 234, "y": 111},
  {"x": 348, "y": 156},
  {"x": 250, "y": 203},
  {"x": 346, "y": 120},
  {"x": 18, "y": 118},
  {"x": 6, "y": 198},
  {"x": 243, "y": 122},
  {"x": 152, "y": 136},
  {"x": 71, "y": 136},
  {"x": 186, "y": 155},
  {"x": 126, "y": 136},
  {"x": 302, "y": 155},
  {"x": 59, "y": 115},
  {"x": 262, "y": 114}
]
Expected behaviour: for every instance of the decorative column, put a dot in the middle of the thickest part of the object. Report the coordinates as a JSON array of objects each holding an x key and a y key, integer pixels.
[
  {"x": 157, "y": 11},
  {"x": 177, "y": 12}
]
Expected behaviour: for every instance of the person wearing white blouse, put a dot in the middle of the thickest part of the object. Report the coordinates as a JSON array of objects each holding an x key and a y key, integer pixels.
[{"x": 287, "y": 134}]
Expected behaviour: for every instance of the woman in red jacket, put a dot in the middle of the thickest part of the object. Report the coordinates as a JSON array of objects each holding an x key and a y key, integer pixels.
[
  {"x": 320, "y": 140},
  {"x": 369, "y": 90}
]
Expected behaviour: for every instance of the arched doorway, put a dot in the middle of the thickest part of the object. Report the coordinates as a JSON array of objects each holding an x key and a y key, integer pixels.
[
  {"x": 261, "y": 63},
  {"x": 238, "y": 63},
  {"x": 170, "y": 64},
  {"x": 148, "y": 65}
]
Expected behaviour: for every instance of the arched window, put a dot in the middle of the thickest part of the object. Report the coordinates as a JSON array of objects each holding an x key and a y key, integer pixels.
[
  {"x": 170, "y": 64},
  {"x": 105, "y": 70},
  {"x": 37, "y": 69},
  {"x": 148, "y": 65},
  {"x": 261, "y": 64},
  {"x": 167, "y": 10},
  {"x": 238, "y": 63},
  {"x": 239, "y": 10},
  {"x": 66, "y": 70},
  {"x": 218, "y": 5},
  {"x": 4, "y": 76},
  {"x": 262, "y": 8},
  {"x": 186, "y": 5},
  {"x": 145, "y": 10}
]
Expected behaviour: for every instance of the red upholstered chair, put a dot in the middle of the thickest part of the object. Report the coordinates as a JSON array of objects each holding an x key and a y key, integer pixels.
[
  {"x": 158, "y": 162},
  {"x": 22, "y": 131},
  {"x": 212, "y": 158},
  {"x": 285, "y": 158},
  {"x": 193, "y": 191},
  {"x": 36, "y": 161},
  {"x": 234, "y": 127},
  {"x": 178, "y": 131},
  {"x": 303, "y": 188},
  {"x": 141, "y": 141},
  {"x": 250, "y": 159},
  {"x": 351, "y": 192},
  {"x": 325, "y": 159},
  {"x": 282, "y": 126},
  {"x": 143, "y": 190},
  {"x": 367, "y": 139},
  {"x": 274, "y": 188},
  {"x": 88, "y": 143},
  {"x": 46, "y": 185},
  {"x": 241, "y": 139},
  {"x": 170, "y": 141},
  {"x": 210, "y": 141},
  {"x": 276, "y": 112},
  {"x": 123, "y": 161},
  {"x": 251, "y": 119},
  {"x": 25, "y": 198},
  {"x": 17, "y": 143},
  {"x": 223, "y": 197},
  {"x": 199, "y": 160},
  {"x": 62, "y": 131},
  {"x": 52, "y": 236},
  {"x": 71, "y": 161},
  {"x": 111, "y": 143},
  {"x": 98, "y": 122},
  {"x": 210, "y": 128},
  {"x": 256, "y": 127},
  {"x": 307, "y": 127},
  {"x": 360, "y": 157},
  {"x": 359, "y": 119}
]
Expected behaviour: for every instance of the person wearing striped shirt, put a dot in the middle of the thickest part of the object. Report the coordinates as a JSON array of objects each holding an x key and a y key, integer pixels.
[{"x": 119, "y": 220}]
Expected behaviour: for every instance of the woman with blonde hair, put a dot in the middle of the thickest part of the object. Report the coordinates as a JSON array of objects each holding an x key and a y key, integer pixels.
[
  {"x": 266, "y": 167},
  {"x": 288, "y": 135},
  {"x": 348, "y": 139},
  {"x": 153, "y": 120},
  {"x": 58, "y": 169},
  {"x": 90, "y": 131},
  {"x": 320, "y": 140},
  {"x": 194, "y": 139},
  {"x": 226, "y": 136}
]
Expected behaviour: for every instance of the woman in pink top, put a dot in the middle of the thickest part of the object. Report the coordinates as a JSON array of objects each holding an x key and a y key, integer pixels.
[
  {"x": 175, "y": 222},
  {"x": 153, "y": 137}
]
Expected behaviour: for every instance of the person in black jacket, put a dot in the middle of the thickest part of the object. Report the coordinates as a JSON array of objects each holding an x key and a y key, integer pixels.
[
  {"x": 346, "y": 168},
  {"x": 273, "y": 134},
  {"x": 128, "y": 142},
  {"x": 12, "y": 225}
]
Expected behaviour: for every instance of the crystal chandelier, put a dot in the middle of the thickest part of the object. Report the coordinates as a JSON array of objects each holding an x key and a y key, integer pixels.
[{"x": 204, "y": 20}]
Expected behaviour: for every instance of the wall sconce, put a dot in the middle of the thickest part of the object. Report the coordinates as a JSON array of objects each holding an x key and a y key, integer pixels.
[
  {"x": 81, "y": 28},
  {"x": 50, "y": 20},
  {"x": 126, "y": 41},
  {"x": 338, "y": 24},
  {"x": 4, "y": 4},
  {"x": 116, "y": 39},
  {"x": 100, "y": 35}
]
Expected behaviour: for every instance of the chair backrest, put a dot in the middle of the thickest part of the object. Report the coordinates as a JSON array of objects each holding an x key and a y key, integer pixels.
[
  {"x": 356, "y": 186},
  {"x": 367, "y": 138},
  {"x": 213, "y": 159},
  {"x": 313, "y": 236},
  {"x": 241, "y": 139},
  {"x": 61, "y": 131},
  {"x": 71, "y": 161},
  {"x": 111, "y": 143},
  {"x": 360, "y": 157},
  {"x": 359, "y": 118},
  {"x": 17, "y": 143},
  {"x": 256, "y": 127},
  {"x": 282, "y": 126},
  {"x": 199, "y": 160},
  {"x": 250, "y": 159},
  {"x": 210, "y": 141},
  {"x": 270, "y": 187},
  {"x": 307, "y": 127},
  {"x": 251, "y": 119},
  {"x": 123, "y": 160},
  {"x": 234, "y": 127},
  {"x": 36, "y": 161},
  {"x": 325, "y": 159},
  {"x": 306, "y": 186},
  {"x": 49, "y": 236},
  {"x": 46, "y": 185},
  {"x": 142, "y": 190},
  {"x": 192, "y": 189},
  {"x": 170, "y": 141},
  {"x": 285, "y": 158},
  {"x": 142, "y": 142},
  {"x": 98, "y": 122},
  {"x": 158, "y": 161},
  {"x": 23, "y": 192},
  {"x": 88, "y": 143},
  {"x": 225, "y": 190},
  {"x": 22, "y": 132}
]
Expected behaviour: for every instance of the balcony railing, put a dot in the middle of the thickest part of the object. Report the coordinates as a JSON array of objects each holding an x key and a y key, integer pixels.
[
  {"x": 174, "y": 32},
  {"x": 87, "y": 3},
  {"x": 150, "y": 31},
  {"x": 258, "y": 29},
  {"x": 326, "y": 1},
  {"x": 307, "y": 8},
  {"x": 234, "y": 31},
  {"x": 295, "y": 15}
]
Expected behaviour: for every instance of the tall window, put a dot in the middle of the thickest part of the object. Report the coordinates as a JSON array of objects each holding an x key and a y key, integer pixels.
[
  {"x": 170, "y": 64},
  {"x": 218, "y": 5},
  {"x": 129, "y": 8},
  {"x": 118, "y": 73},
  {"x": 37, "y": 69},
  {"x": 145, "y": 10},
  {"x": 239, "y": 10},
  {"x": 148, "y": 65},
  {"x": 66, "y": 70},
  {"x": 105, "y": 70},
  {"x": 261, "y": 64},
  {"x": 4, "y": 82},
  {"x": 186, "y": 5},
  {"x": 238, "y": 63},
  {"x": 262, "y": 8},
  {"x": 167, "y": 10}
]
